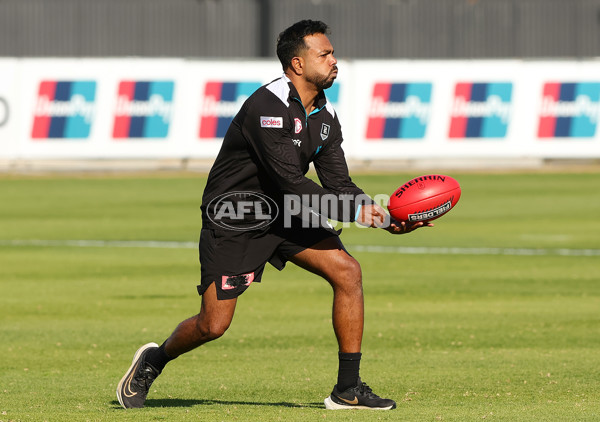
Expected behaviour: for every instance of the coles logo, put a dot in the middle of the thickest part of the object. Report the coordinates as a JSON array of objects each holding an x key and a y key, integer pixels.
[
  {"x": 569, "y": 110},
  {"x": 399, "y": 110},
  {"x": 221, "y": 102},
  {"x": 143, "y": 109},
  {"x": 480, "y": 110},
  {"x": 270, "y": 122},
  {"x": 297, "y": 125},
  {"x": 64, "y": 110}
]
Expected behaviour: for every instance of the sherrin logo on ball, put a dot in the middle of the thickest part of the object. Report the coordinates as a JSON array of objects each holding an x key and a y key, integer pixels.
[{"x": 424, "y": 198}]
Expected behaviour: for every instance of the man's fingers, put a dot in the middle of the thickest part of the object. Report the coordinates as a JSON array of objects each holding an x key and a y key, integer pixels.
[{"x": 400, "y": 227}]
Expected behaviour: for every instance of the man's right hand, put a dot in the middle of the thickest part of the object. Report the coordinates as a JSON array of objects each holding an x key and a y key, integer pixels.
[{"x": 374, "y": 215}]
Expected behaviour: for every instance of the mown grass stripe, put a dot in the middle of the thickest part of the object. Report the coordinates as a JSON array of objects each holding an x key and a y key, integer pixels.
[{"x": 403, "y": 250}]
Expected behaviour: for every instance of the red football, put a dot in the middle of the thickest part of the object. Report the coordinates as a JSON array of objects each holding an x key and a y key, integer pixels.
[{"x": 424, "y": 198}]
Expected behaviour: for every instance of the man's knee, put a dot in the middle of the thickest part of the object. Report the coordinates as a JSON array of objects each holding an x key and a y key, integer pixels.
[
  {"x": 347, "y": 273},
  {"x": 352, "y": 268},
  {"x": 215, "y": 315},
  {"x": 210, "y": 325},
  {"x": 211, "y": 329}
]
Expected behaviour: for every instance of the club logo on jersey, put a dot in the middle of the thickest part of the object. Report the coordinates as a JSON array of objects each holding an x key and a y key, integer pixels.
[
  {"x": 399, "y": 110},
  {"x": 569, "y": 110},
  {"x": 271, "y": 122},
  {"x": 297, "y": 125},
  {"x": 481, "y": 110},
  {"x": 64, "y": 109},
  {"x": 221, "y": 102},
  {"x": 325, "y": 131},
  {"x": 143, "y": 109}
]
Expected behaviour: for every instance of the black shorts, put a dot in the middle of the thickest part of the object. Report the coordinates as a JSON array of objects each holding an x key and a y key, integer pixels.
[{"x": 235, "y": 259}]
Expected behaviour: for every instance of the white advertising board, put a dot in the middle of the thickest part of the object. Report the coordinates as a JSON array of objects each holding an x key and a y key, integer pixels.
[
  {"x": 96, "y": 108},
  {"x": 500, "y": 108},
  {"x": 176, "y": 108},
  {"x": 8, "y": 105},
  {"x": 219, "y": 90},
  {"x": 559, "y": 106}
]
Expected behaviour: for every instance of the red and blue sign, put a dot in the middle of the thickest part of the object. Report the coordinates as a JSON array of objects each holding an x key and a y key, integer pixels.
[
  {"x": 399, "y": 110},
  {"x": 64, "y": 110},
  {"x": 569, "y": 110},
  {"x": 143, "y": 109},
  {"x": 481, "y": 110},
  {"x": 222, "y": 101}
]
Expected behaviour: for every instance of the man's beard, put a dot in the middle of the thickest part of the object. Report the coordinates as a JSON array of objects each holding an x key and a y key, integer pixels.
[{"x": 322, "y": 82}]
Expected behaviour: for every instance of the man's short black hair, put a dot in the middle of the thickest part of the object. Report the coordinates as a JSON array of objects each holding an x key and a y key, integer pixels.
[{"x": 291, "y": 41}]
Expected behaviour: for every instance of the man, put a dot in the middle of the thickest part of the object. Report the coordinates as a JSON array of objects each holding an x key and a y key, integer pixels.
[{"x": 265, "y": 155}]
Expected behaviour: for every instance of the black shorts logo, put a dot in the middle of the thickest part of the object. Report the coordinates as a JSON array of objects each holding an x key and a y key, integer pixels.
[
  {"x": 242, "y": 210},
  {"x": 230, "y": 282}
]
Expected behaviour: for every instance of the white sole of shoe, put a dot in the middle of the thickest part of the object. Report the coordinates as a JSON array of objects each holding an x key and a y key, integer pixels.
[
  {"x": 135, "y": 358},
  {"x": 331, "y": 405}
]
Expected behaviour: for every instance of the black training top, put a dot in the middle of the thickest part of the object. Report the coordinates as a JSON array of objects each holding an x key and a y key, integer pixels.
[{"x": 269, "y": 146}]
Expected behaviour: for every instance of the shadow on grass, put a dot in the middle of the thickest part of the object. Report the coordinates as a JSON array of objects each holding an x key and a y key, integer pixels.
[{"x": 208, "y": 402}]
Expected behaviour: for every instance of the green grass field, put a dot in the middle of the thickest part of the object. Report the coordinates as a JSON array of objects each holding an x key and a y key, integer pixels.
[{"x": 464, "y": 333}]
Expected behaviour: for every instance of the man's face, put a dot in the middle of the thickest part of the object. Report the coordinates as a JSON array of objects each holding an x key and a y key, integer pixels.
[{"x": 320, "y": 64}]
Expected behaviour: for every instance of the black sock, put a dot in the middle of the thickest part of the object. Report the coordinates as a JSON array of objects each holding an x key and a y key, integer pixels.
[
  {"x": 348, "y": 370},
  {"x": 158, "y": 358}
]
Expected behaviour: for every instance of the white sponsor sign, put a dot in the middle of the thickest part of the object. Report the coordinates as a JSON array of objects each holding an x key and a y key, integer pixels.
[
  {"x": 476, "y": 109},
  {"x": 392, "y": 109},
  {"x": 8, "y": 101}
]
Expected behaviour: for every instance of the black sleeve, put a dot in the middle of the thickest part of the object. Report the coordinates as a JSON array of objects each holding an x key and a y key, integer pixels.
[
  {"x": 277, "y": 155},
  {"x": 332, "y": 170}
]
